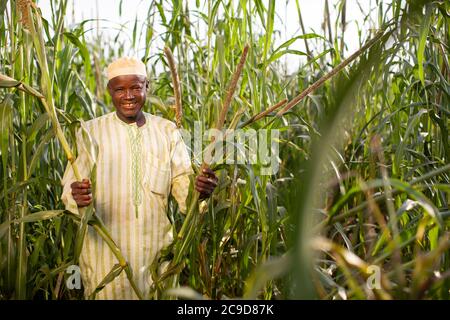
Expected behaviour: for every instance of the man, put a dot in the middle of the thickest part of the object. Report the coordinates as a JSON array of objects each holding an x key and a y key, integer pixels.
[{"x": 141, "y": 159}]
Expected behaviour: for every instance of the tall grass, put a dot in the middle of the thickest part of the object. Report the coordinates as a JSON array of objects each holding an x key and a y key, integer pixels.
[{"x": 364, "y": 175}]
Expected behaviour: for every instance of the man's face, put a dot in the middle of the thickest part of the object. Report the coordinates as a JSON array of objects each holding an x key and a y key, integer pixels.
[{"x": 128, "y": 94}]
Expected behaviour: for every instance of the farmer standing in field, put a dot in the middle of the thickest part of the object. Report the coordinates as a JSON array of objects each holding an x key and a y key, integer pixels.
[{"x": 141, "y": 159}]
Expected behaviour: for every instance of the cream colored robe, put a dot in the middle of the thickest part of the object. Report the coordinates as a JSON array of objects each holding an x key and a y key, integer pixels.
[{"x": 136, "y": 170}]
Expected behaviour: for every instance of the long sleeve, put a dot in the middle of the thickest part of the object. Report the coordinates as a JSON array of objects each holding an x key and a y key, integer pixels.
[
  {"x": 180, "y": 190},
  {"x": 84, "y": 167},
  {"x": 181, "y": 170}
]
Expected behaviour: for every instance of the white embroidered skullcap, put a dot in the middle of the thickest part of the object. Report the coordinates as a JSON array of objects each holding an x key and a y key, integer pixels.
[{"x": 126, "y": 66}]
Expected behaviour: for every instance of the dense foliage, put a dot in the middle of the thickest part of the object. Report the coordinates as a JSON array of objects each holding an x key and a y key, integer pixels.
[{"x": 359, "y": 206}]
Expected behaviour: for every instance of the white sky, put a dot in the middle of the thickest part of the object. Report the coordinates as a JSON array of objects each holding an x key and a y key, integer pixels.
[{"x": 286, "y": 20}]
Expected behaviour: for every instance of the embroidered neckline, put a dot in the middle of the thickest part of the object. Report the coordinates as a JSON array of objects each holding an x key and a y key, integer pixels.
[{"x": 135, "y": 138}]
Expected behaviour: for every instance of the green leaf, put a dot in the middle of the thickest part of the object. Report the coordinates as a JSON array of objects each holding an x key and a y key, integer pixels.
[
  {"x": 38, "y": 216},
  {"x": 134, "y": 32},
  {"x": 292, "y": 40},
  {"x": 279, "y": 54},
  {"x": 37, "y": 153},
  {"x": 7, "y": 82},
  {"x": 411, "y": 128},
  {"x": 269, "y": 28},
  {"x": 433, "y": 236},
  {"x": 6, "y": 110},
  {"x": 268, "y": 271},
  {"x": 36, "y": 126},
  {"x": 426, "y": 22},
  {"x": 114, "y": 273},
  {"x": 84, "y": 52}
]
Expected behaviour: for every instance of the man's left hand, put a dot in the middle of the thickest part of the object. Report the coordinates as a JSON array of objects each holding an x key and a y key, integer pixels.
[{"x": 206, "y": 182}]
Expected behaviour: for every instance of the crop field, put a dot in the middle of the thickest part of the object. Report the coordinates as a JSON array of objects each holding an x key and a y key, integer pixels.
[{"x": 338, "y": 189}]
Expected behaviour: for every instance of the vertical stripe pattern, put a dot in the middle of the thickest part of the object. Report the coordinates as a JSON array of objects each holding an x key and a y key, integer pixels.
[{"x": 137, "y": 167}]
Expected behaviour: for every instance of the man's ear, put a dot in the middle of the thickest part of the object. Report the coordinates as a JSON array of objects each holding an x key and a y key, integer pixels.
[{"x": 109, "y": 89}]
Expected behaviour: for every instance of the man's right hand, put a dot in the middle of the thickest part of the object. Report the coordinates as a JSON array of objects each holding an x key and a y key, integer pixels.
[{"x": 81, "y": 192}]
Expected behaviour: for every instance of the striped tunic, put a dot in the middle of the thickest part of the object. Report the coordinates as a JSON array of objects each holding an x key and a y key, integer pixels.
[{"x": 137, "y": 168}]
